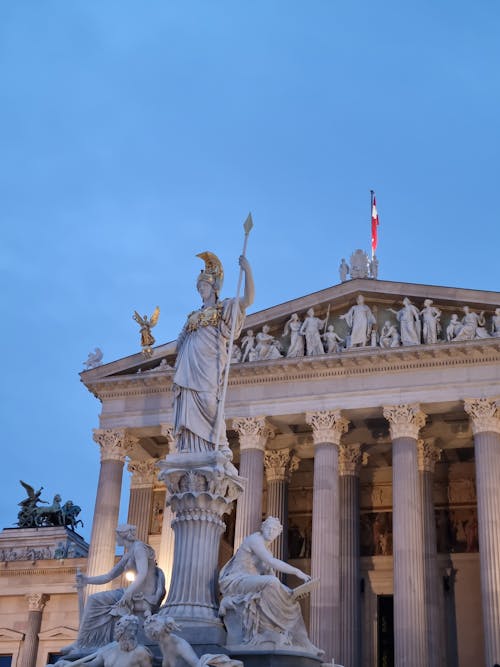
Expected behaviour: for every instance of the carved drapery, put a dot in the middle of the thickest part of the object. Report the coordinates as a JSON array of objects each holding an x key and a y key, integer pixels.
[
  {"x": 115, "y": 443},
  {"x": 253, "y": 432},
  {"x": 280, "y": 464},
  {"x": 405, "y": 420},
  {"x": 484, "y": 415},
  {"x": 428, "y": 454},
  {"x": 327, "y": 426}
]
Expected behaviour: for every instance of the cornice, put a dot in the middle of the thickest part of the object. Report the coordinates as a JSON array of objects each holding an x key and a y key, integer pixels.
[{"x": 346, "y": 364}]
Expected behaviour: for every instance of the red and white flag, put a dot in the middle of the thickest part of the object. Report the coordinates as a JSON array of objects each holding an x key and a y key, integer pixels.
[{"x": 374, "y": 224}]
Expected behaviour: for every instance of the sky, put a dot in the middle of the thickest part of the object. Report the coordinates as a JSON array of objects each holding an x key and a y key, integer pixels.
[{"x": 136, "y": 134}]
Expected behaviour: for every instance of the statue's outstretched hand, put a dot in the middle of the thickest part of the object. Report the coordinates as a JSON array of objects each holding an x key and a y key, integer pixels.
[{"x": 244, "y": 263}]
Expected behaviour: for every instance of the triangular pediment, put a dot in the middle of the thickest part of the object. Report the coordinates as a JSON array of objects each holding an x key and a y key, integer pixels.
[
  {"x": 60, "y": 632},
  {"x": 10, "y": 635},
  {"x": 380, "y": 295}
]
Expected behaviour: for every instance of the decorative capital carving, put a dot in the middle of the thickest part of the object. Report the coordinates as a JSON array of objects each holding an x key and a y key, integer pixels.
[
  {"x": 115, "y": 443},
  {"x": 253, "y": 432},
  {"x": 37, "y": 601},
  {"x": 405, "y": 420},
  {"x": 327, "y": 426},
  {"x": 280, "y": 464},
  {"x": 167, "y": 431},
  {"x": 484, "y": 414},
  {"x": 428, "y": 454},
  {"x": 350, "y": 459},
  {"x": 144, "y": 473}
]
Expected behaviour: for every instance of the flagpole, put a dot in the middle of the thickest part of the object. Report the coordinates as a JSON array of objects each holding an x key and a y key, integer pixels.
[
  {"x": 371, "y": 214},
  {"x": 220, "y": 411}
]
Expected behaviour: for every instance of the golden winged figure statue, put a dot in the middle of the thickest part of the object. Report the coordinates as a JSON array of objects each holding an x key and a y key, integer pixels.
[{"x": 146, "y": 324}]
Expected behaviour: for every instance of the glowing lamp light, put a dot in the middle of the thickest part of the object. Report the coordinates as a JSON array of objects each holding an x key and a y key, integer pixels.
[{"x": 130, "y": 576}]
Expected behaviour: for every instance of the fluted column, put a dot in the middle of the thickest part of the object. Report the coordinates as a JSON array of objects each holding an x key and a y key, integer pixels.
[
  {"x": 485, "y": 418},
  {"x": 144, "y": 474},
  {"x": 166, "y": 555},
  {"x": 36, "y": 603},
  {"x": 279, "y": 465},
  {"x": 253, "y": 434},
  {"x": 327, "y": 428},
  {"x": 115, "y": 446},
  {"x": 350, "y": 458},
  {"x": 427, "y": 456},
  {"x": 410, "y": 637}
]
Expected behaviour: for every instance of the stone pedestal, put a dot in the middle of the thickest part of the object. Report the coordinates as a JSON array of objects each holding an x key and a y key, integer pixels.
[
  {"x": 201, "y": 489},
  {"x": 327, "y": 427},
  {"x": 36, "y": 603},
  {"x": 44, "y": 543},
  {"x": 253, "y": 434},
  {"x": 115, "y": 445},
  {"x": 141, "y": 496},
  {"x": 279, "y": 465},
  {"x": 427, "y": 456},
  {"x": 410, "y": 635},
  {"x": 350, "y": 457},
  {"x": 485, "y": 418}
]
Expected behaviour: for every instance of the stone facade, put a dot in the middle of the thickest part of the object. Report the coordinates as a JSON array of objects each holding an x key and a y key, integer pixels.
[{"x": 400, "y": 442}]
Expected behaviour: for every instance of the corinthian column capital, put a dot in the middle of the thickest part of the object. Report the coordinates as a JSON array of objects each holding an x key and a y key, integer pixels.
[
  {"x": 37, "y": 601},
  {"x": 115, "y": 443},
  {"x": 428, "y": 454},
  {"x": 144, "y": 473},
  {"x": 327, "y": 426},
  {"x": 253, "y": 432},
  {"x": 280, "y": 464},
  {"x": 350, "y": 459},
  {"x": 484, "y": 414},
  {"x": 405, "y": 420},
  {"x": 167, "y": 431}
]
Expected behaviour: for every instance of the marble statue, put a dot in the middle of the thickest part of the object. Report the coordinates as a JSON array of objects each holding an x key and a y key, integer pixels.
[
  {"x": 143, "y": 596},
  {"x": 389, "y": 336},
  {"x": 159, "y": 628},
  {"x": 293, "y": 327},
  {"x": 495, "y": 324},
  {"x": 267, "y": 347},
  {"x": 472, "y": 326},
  {"x": 125, "y": 651},
  {"x": 409, "y": 323},
  {"x": 94, "y": 359},
  {"x": 146, "y": 324},
  {"x": 360, "y": 321},
  {"x": 431, "y": 324},
  {"x": 453, "y": 327},
  {"x": 374, "y": 267},
  {"x": 235, "y": 354},
  {"x": 343, "y": 270},
  {"x": 311, "y": 330},
  {"x": 202, "y": 358},
  {"x": 258, "y": 610},
  {"x": 333, "y": 340},
  {"x": 360, "y": 264},
  {"x": 247, "y": 346}
]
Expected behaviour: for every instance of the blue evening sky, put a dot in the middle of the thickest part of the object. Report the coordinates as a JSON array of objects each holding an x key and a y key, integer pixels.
[{"x": 134, "y": 135}]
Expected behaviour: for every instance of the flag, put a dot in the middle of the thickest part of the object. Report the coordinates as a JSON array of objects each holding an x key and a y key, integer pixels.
[{"x": 374, "y": 224}]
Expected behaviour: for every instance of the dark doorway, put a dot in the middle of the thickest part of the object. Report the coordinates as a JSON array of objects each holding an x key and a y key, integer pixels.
[{"x": 385, "y": 616}]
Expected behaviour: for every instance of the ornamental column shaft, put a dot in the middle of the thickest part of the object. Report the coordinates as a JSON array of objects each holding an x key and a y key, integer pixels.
[
  {"x": 115, "y": 445},
  {"x": 279, "y": 465},
  {"x": 166, "y": 555},
  {"x": 427, "y": 456},
  {"x": 485, "y": 418},
  {"x": 141, "y": 496},
  {"x": 350, "y": 457},
  {"x": 36, "y": 603},
  {"x": 327, "y": 426},
  {"x": 410, "y": 637},
  {"x": 253, "y": 434}
]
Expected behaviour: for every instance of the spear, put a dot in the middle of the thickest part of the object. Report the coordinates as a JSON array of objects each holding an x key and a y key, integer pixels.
[
  {"x": 327, "y": 318},
  {"x": 80, "y": 588},
  {"x": 247, "y": 226}
]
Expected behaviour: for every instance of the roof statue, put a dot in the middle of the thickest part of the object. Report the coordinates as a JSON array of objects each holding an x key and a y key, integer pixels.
[
  {"x": 146, "y": 324},
  {"x": 32, "y": 516},
  {"x": 94, "y": 359},
  {"x": 361, "y": 266}
]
